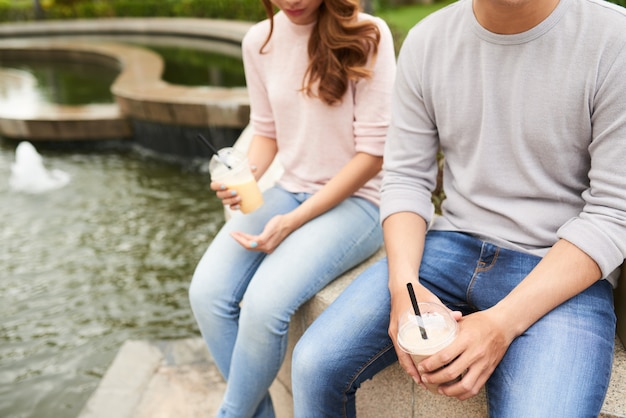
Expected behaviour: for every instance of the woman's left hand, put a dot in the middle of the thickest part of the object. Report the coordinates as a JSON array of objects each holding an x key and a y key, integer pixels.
[{"x": 275, "y": 231}]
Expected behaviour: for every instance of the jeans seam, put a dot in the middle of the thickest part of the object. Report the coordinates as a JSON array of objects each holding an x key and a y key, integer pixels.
[
  {"x": 480, "y": 269},
  {"x": 363, "y": 237},
  {"x": 358, "y": 373},
  {"x": 354, "y": 244},
  {"x": 243, "y": 284}
]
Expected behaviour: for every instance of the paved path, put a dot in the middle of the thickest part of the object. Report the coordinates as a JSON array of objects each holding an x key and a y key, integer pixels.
[
  {"x": 158, "y": 379},
  {"x": 164, "y": 379}
]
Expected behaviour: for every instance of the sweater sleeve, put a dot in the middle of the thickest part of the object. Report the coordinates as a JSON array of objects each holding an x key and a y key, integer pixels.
[
  {"x": 372, "y": 97},
  {"x": 261, "y": 116},
  {"x": 410, "y": 164},
  {"x": 600, "y": 229}
]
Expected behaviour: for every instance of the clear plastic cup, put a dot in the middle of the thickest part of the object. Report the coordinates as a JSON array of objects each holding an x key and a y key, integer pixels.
[
  {"x": 231, "y": 168},
  {"x": 439, "y": 326}
]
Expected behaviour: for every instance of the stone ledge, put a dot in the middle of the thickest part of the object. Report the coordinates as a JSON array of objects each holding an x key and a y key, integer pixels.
[
  {"x": 158, "y": 379},
  {"x": 164, "y": 379},
  {"x": 393, "y": 393}
]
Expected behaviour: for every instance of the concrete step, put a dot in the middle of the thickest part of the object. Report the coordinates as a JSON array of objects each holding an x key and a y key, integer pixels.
[{"x": 165, "y": 379}]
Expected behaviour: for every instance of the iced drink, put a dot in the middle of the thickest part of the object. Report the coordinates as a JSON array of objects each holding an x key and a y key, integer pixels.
[
  {"x": 251, "y": 197},
  {"x": 230, "y": 167},
  {"x": 439, "y": 326}
]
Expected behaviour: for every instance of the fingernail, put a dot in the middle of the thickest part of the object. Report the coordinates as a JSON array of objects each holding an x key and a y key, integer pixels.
[
  {"x": 233, "y": 192},
  {"x": 253, "y": 244},
  {"x": 222, "y": 187}
]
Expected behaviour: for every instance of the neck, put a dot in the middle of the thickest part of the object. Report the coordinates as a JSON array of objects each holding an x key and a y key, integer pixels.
[{"x": 512, "y": 16}]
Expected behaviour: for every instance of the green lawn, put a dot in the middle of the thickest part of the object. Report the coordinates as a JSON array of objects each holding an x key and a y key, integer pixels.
[
  {"x": 401, "y": 19},
  {"x": 405, "y": 17}
]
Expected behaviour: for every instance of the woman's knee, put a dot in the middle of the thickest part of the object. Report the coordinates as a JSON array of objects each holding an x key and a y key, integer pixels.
[
  {"x": 201, "y": 291},
  {"x": 261, "y": 315},
  {"x": 208, "y": 299},
  {"x": 197, "y": 294}
]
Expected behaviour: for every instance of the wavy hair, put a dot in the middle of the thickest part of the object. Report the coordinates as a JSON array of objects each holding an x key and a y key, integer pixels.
[{"x": 339, "y": 49}]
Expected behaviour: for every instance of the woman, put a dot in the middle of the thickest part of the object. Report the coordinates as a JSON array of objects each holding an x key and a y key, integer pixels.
[{"x": 319, "y": 74}]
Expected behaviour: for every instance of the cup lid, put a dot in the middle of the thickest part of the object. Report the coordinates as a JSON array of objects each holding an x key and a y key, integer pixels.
[
  {"x": 227, "y": 162},
  {"x": 439, "y": 325}
]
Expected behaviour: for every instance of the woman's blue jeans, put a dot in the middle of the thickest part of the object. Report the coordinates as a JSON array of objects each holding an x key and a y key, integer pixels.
[
  {"x": 560, "y": 367},
  {"x": 248, "y": 340}
]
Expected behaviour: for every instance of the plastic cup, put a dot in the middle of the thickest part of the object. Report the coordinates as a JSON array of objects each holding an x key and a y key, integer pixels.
[
  {"x": 440, "y": 329},
  {"x": 231, "y": 168}
]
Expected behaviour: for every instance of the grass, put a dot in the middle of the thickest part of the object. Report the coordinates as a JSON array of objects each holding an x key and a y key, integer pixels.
[{"x": 402, "y": 19}]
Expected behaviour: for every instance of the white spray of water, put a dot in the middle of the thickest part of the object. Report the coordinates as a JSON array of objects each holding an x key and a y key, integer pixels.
[{"x": 29, "y": 175}]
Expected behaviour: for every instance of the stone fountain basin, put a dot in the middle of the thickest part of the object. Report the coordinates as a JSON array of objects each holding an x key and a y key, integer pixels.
[{"x": 139, "y": 91}]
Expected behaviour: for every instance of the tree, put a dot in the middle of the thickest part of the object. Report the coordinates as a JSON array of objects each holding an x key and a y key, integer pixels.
[
  {"x": 38, "y": 10},
  {"x": 367, "y": 6}
]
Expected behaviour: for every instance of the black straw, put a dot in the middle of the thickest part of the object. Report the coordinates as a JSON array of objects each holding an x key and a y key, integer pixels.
[
  {"x": 212, "y": 148},
  {"x": 416, "y": 309}
]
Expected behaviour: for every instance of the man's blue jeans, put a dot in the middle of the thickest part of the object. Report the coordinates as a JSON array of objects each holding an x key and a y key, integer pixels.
[
  {"x": 248, "y": 341},
  {"x": 560, "y": 367}
]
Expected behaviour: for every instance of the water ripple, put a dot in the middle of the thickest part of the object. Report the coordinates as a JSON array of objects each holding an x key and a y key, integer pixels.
[{"x": 84, "y": 268}]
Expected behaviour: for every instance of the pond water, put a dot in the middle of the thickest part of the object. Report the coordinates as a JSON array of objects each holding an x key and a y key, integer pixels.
[
  {"x": 86, "y": 267},
  {"x": 192, "y": 67},
  {"x": 76, "y": 82},
  {"x": 62, "y": 82}
]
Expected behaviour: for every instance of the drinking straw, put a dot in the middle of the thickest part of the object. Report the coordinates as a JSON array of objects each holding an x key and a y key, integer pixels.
[
  {"x": 417, "y": 310},
  {"x": 212, "y": 148}
]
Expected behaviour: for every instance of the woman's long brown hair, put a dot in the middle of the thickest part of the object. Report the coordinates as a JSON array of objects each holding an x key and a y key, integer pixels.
[{"x": 339, "y": 48}]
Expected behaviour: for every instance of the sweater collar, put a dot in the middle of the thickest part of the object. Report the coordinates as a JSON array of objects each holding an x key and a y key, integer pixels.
[
  {"x": 297, "y": 30},
  {"x": 519, "y": 38}
]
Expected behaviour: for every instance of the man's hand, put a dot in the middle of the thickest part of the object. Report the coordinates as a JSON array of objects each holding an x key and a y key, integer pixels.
[
  {"x": 400, "y": 302},
  {"x": 481, "y": 343}
]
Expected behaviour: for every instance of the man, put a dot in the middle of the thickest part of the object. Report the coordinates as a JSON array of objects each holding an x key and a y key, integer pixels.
[{"x": 527, "y": 101}]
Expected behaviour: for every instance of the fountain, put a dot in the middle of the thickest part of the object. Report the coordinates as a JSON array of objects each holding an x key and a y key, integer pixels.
[{"x": 29, "y": 175}]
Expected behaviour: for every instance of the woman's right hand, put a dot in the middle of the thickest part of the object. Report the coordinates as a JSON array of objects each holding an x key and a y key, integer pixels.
[
  {"x": 275, "y": 231},
  {"x": 229, "y": 197}
]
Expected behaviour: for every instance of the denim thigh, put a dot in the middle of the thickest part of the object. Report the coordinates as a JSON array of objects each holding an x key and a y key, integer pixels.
[
  {"x": 560, "y": 367},
  {"x": 348, "y": 343},
  {"x": 345, "y": 346},
  {"x": 248, "y": 341}
]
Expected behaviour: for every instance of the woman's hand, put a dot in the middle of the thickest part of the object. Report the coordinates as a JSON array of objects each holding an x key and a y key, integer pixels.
[
  {"x": 229, "y": 197},
  {"x": 275, "y": 231},
  {"x": 261, "y": 153}
]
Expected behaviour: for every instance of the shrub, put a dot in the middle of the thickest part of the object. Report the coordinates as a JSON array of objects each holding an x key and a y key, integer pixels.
[{"x": 250, "y": 10}]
